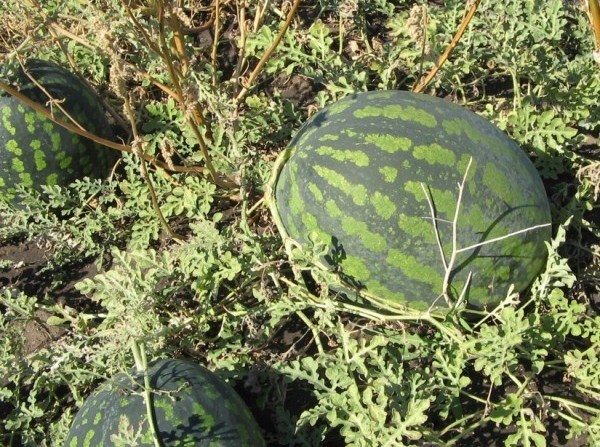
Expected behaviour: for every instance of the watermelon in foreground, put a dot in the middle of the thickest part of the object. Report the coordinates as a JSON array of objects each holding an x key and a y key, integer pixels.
[
  {"x": 35, "y": 151},
  {"x": 192, "y": 407},
  {"x": 361, "y": 175}
]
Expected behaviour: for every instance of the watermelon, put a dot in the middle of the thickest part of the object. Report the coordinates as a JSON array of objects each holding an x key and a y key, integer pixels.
[
  {"x": 352, "y": 178},
  {"x": 192, "y": 407},
  {"x": 34, "y": 151}
]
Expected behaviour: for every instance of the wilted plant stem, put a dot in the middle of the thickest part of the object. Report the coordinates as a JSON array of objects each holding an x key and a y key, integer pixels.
[
  {"x": 138, "y": 150},
  {"x": 241, "y": 57},
  {"x": 265, "y": 57},
  {"x": 215, "y": 44},
  {"x": 453, "y": 43},
  {"x": 194, "y": 117},
  {"x": 594, "y": 13}
]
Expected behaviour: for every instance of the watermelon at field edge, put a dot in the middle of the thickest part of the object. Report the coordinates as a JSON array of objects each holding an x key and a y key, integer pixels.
[
  {"x": 355, "y": 180},
  {"x": 192, "y": 407},
  {"x": 34, "y": 151}
]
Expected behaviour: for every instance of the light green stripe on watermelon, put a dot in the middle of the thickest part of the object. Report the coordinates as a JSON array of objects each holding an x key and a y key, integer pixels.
[
  {"x": 329, "y": 137},
  {"x": 359, "y": 158},
  {"x": 353, "y": 227},
  {"x": 417, "y": 227},
  {"x": 8, "y": 125},
  {"x": 339, "y": 107},
  {"x": 333, "y": 210},
  {"x": 356, "y": 268},
  {"x": 26, "y": 179},
  {"x": 389, "y": 143},
  {"x": 13, "y": 147},
  {"x": 316, "y": 192},
  {"x": 65, "y": 162},
  {"x": 435, "y": 154},
  {"x": 47, "y": 125},
  {"x": 384, "y": 206},
  {"x": 211, "y": 392},
  {"x": 396, "y": 111},
  {"x": 52, "y": 179},
  {"x": 383, "y": 94},
  {"x": 502, "y": 273},
  {"x": 306, "y": 136},
  {"x": 457, "y": 126},
  {"x": 38, "y": 155},
  {"x": 296, "y": 202},
  {"x": 389, "y": 173},
  {"x": 207, "y": 420},
  {"x": 312, "y": 226},
  {"x": 498, "y": 183},
  {"x": 379, "y": 290},
  {"x": 475, "y": 218},
  {"x": 419, "y": 305},
  {"x": 55, "y": 138},
  {"x": 17, "y": 165},
  {"x": 73, "y": 442},
  {"x": 462, "y": 167},
  {"x": 444, "y": 201},
  {"x": 87, "y": 441},
  {"x": 2, "y": 184},
  {"x": 30, "y": 121},
  {"x": 413, "y": 269},
  {"x": 165, "y": 405},
  {"x": 357, "y": 192}
]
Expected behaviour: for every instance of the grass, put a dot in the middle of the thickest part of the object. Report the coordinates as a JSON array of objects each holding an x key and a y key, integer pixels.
[{"x": 187, "y": 261}]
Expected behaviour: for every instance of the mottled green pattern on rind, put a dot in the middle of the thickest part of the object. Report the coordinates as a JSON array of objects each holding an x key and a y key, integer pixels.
[
  {"x": 377, "y": 214},
  {"x": 193, "y": 404},
  {"x": 35, "y": 151}
]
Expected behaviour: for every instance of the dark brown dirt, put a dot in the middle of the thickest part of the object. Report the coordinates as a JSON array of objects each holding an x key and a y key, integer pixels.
[
  {"x": 38, "y": 334},
  {"x": 298, "y": 89},
  {"x": 29, "y": 258}
]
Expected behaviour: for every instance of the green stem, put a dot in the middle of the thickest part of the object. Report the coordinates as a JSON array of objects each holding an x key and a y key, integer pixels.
[
  {"x": 141, "y": 365},
  {"x": 313, "y": 329},
  {"x": 460, "y": 421},
  {"x": 465, "y": 431},
  {"x": 570, "y": 403},
  {"x": 567, "y": 417}
]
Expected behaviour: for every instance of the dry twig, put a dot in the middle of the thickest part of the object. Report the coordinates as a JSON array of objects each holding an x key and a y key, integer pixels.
[
  {"x": 444, "y": 57},
  {"x": 265, "y": 57}
]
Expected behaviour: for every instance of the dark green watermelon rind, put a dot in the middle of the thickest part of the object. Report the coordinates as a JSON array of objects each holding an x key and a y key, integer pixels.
[
  {"x": 407, "y": 243},
  {"x": 347, "y": 289},
  {"x": 51, "y": 154},
  {"x": 193, "y": 407}
]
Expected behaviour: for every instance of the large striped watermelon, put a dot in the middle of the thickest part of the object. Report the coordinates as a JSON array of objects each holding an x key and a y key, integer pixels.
[
  {"x": 354, "y": 178},
  {"x": 193, "y": 407},
  {"x": 35, "y": 151}
]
